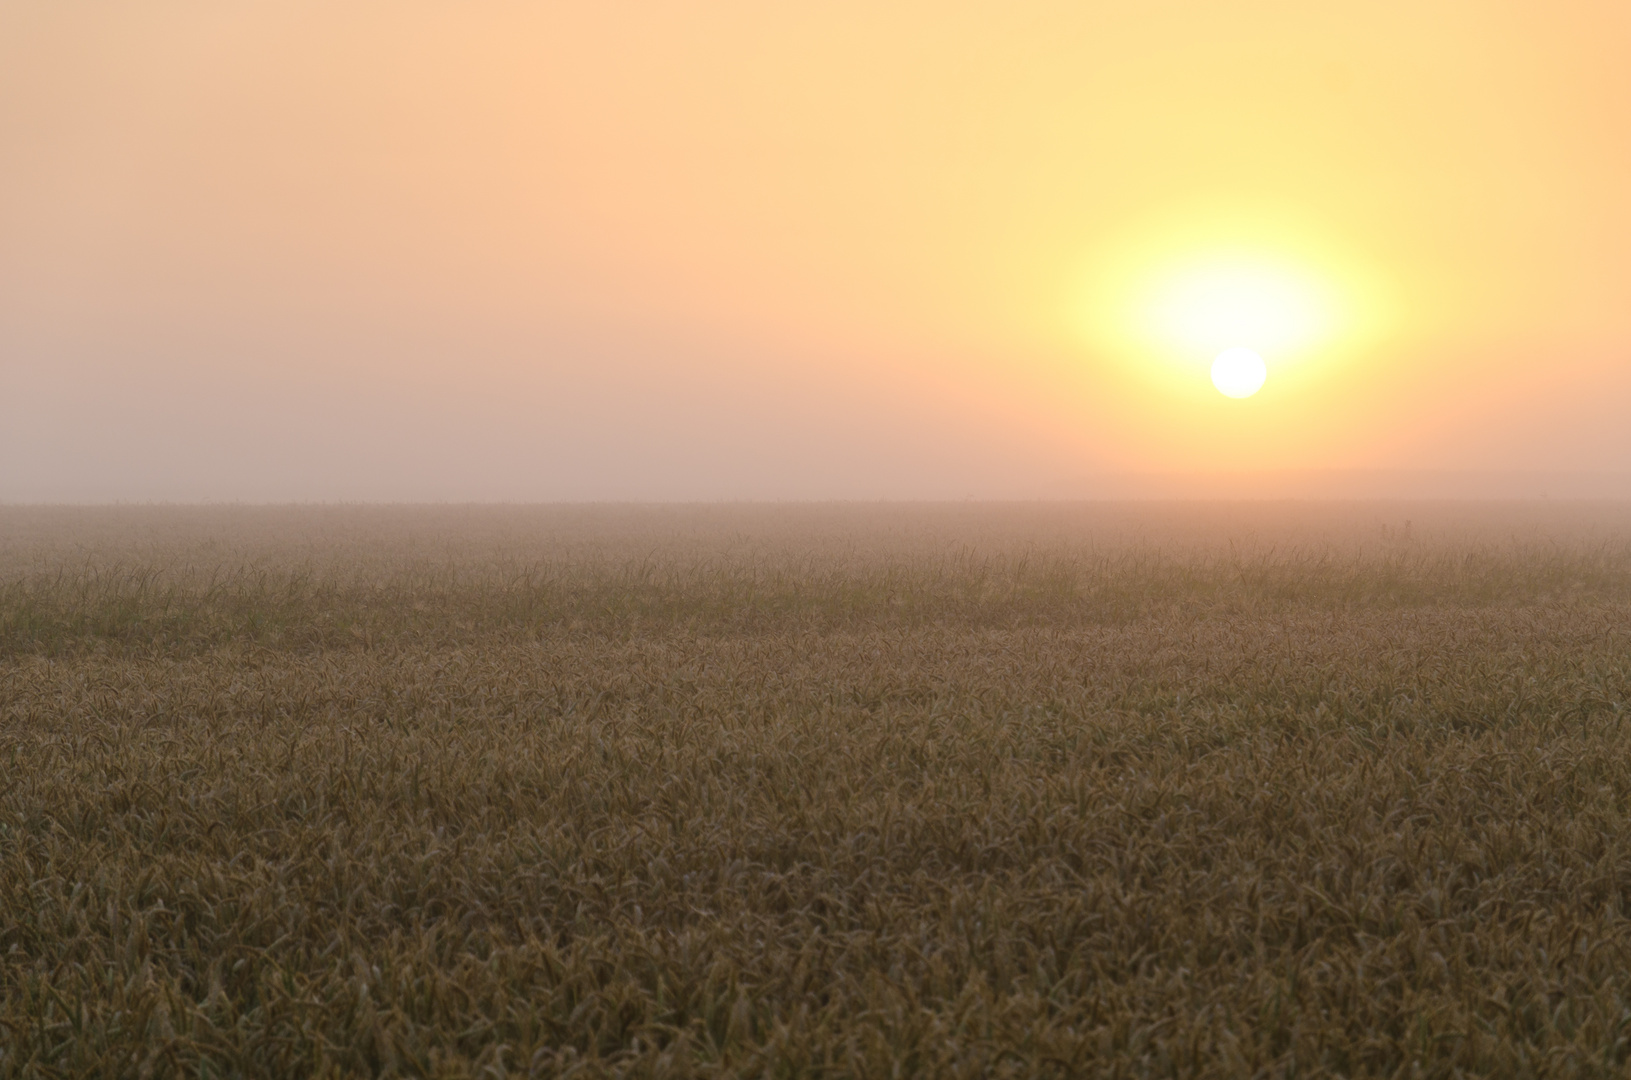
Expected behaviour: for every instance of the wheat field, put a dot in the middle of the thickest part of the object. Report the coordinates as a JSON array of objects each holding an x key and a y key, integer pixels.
[{"x": 836, "y": 791}]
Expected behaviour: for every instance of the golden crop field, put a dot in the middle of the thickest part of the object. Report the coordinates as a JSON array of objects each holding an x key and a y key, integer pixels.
[{"x": 838, "y": 791}]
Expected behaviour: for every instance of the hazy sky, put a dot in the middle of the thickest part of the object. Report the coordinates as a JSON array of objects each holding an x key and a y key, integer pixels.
[{"x": 473, "y": 250}]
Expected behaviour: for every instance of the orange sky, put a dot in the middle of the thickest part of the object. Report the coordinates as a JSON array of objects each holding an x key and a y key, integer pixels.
[{"x": 719, "y": 249}]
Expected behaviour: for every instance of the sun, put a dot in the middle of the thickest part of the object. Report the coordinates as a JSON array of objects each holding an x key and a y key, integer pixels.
[
  {"x": 1247, "y": 300},
  {"x": 1238, "y": 372},
  {"x": 1236, "y": 311}
]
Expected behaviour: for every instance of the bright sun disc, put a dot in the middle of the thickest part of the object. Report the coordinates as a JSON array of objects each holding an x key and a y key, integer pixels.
[{"x": 1238, "y": 373}]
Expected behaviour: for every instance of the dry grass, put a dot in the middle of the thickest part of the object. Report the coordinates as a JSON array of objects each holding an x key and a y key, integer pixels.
[{"x": 865, "y": 791}]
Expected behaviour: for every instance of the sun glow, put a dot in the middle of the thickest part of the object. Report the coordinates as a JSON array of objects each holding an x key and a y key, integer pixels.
[
  {"x": 1233, "y": 301},
  {"x": 1228, "y": 302}
]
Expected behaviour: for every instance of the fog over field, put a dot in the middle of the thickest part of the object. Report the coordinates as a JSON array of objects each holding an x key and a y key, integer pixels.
[
  {"x": 880, "y": 538},
  {"x": 727, "y": 250}
]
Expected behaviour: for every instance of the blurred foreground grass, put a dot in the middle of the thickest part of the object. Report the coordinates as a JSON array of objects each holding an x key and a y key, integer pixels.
[{"x": 846, "y": 791}]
